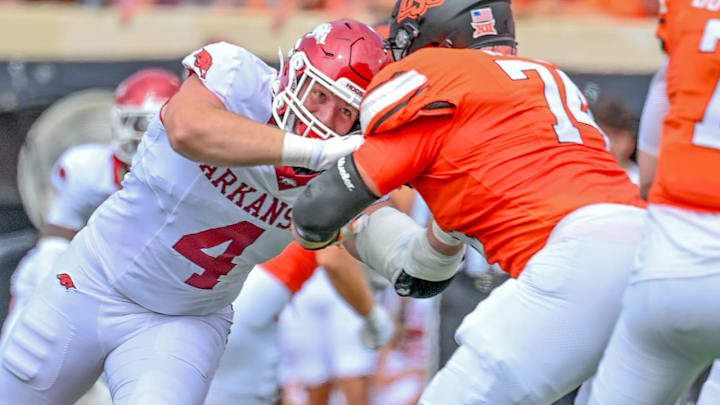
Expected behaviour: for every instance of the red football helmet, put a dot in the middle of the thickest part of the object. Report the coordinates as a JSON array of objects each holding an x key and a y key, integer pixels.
[
  {"x": 343, "y": 56},
  {"x": 137, "y": 99}
]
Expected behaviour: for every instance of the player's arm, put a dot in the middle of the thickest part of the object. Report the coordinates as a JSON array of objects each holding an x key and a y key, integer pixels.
[
  {"x": 348, "y": 278},
  {"x": 200, "y": 127},
  {"x": 651, "y": 126},
  {"x": 418, "y": 262},
  {"x": 52, "y": 230},
  {"x": 384, "y": 163}
]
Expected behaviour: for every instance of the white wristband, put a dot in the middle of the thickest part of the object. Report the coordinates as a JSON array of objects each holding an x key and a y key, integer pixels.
[
  {"x": 297, "y": 151},
  {"x": 443, "y": 236}
]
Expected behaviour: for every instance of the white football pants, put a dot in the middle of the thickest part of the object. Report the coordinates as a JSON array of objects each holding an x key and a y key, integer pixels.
[
  {"x": 54, "y": 353},
  {"x": 710, "y": 393},
  {"x": 669, "y": 329},
  {"x": 320, "y": 334},
  {"x": 537, "y": 337}
]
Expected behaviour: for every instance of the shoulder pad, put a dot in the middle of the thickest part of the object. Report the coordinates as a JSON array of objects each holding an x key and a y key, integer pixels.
[
  {"x": 398, "y": 97},
  {"x": 231, "y": 72}
]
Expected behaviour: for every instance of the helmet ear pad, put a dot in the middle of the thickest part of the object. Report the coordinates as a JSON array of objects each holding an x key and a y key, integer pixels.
[
  {"x": 342, "y": 56},
  {"x": 452, "y": 24}
]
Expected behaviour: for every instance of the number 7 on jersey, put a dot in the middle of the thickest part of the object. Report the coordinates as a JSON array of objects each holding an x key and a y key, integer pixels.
[{"x": 574, "y": 101}]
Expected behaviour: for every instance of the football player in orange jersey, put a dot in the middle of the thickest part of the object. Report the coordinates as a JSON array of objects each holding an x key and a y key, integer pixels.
[
  {"x": 669, "y": 327},
  {"x": 509, "y": 159}
]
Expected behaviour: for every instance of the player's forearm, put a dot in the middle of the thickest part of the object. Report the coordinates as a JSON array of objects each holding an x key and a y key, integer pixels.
[
  {"x": 329, "y": 202},
  {"x": 647, "y": 165},
  {"x": 50, "y": 230},
  {"x": 656, "y": 107},
  {"x": 348, "y": 277},
  {"x": 419, "y": 262}
]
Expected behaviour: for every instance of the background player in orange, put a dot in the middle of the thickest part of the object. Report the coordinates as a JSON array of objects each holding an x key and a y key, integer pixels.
[
  {"x": 509, "y": 160},
  {"x": 248, "y": 371},
  {"x": 669, "y": 328}
]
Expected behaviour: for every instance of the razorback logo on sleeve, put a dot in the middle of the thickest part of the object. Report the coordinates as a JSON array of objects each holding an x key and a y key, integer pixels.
[
  {"x": 66, "y": 281},
  {"x": 416, "y": 8},
  {"x": 203, "y": 61}
]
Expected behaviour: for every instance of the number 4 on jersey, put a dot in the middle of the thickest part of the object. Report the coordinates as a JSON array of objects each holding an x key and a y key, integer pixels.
[{"x": 240, "y": 236}]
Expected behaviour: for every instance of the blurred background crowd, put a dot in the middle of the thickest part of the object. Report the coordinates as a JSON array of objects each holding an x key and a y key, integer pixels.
[{"x": 620, "y": 8}]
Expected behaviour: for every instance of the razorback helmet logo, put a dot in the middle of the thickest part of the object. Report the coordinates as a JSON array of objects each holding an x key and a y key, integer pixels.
[
  {"x": 203, "y": 61},
  {"x": 416, "y": 8},
  {"x": 66, "y": 281}
]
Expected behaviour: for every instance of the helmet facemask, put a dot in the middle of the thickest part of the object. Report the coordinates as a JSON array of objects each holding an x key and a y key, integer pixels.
[
  {"x": 289, "y": 103},
  {"x": 138, "y": 99},
  {"x": 341, "y": 57},
  {"x": 400, "y": 41},
  {"x": 128, "y": 126}
]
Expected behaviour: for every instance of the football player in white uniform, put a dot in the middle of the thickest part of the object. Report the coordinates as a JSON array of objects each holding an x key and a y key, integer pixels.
[
  {"x": 85, "y": 175},
  {"x": 144, "y": 290}
]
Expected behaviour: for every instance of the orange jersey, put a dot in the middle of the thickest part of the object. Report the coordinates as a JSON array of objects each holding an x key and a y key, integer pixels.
[
  {"x": 689, "y": 160},
  {"x": 293, "y": 267},
  {"x": 500, "y": 147}
]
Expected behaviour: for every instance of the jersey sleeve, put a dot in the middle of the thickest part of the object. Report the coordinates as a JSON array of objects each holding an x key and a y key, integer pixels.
[
  {"x": 396, "y": 157},
  {"x": 654, "y": 111},
  {"x": 75, "y": 201},
  {"x": 403, "y": 97},
  {"x": 231, "y": 72}
]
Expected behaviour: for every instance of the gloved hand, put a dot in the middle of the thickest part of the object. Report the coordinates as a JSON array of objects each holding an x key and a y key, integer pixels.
[
  {"x": 317, "y": 154},
  {"x": 377, "y": 328}
]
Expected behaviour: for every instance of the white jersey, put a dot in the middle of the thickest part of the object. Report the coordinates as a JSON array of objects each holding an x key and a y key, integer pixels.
[
  {"x": 181, "y": 236},
  {"x": 84, "y": 176}
]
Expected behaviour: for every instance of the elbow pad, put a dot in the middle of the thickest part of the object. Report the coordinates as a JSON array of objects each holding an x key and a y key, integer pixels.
[
  {"x": 330, "y": 201},
  {"x": 392, "y": 244}
]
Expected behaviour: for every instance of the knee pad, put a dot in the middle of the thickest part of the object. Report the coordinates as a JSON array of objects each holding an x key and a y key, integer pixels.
[{"x": 37, "y": 344}]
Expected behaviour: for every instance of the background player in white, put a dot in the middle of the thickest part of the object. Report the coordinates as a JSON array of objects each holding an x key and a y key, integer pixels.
[
  {"x": 321, "y": 346},
  {"x": 85, "y": 175},
  {"x": 144, "y": 290},
  {"x": 248, "y": 371}
]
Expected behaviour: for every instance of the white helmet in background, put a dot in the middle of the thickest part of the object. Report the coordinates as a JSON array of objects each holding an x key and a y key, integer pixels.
[{"x": 137, "y": 99}]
